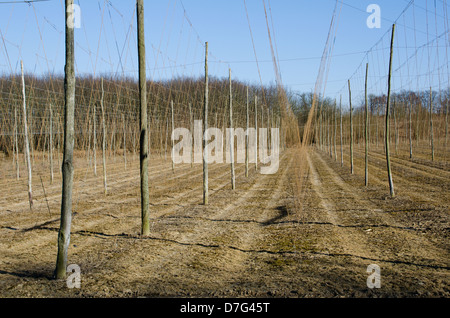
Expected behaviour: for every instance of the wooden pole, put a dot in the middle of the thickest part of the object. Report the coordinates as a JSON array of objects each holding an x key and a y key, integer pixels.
[
  {"x": 94, "y": 148},
  {"x": 67, "y": 167},
  {"x": 124, "y": 142},
  {"x": 16, "y": 143},
  {"x": 386, "y": 137},
  {"x": 105, "y": 185},
  {"x": 233, "y": 177},
  {"x": 340, "y": 115},
  {"x": 165, "y": 142},
  {"x": 446, "y": 122},
  {"x": 205, "y": 127},
  {"x": 366, "y": 132},
  {"x": 191, "y": 125},
  {"x": 173, "y": 164},
  {"x": 246, "y": 138},
  {"x": 410, "y": 130},
  {"x": 27, "y": 144},
  {"x": 394, "y": 108},
  {"x": 431, "y": 124},
  {"x": 51, "y": 144},
  {"x": 351, "y": 128},
  {"x": 145, "y": 217},
  {"x": 256, "y": 133}
]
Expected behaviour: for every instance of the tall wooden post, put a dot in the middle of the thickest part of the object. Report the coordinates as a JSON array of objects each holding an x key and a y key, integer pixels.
[
  {"x": 16, "y": 143},
  {"x": 67, "y": 166},
  {"x": 105, "y": 185},
  {"x": 335, "y": 128},
  {"x": 256, "y": 133},
  {"x": 431, "y": 124},
  {"x": 366, "y": 132},
  {"x": 205, "y": 127},
  {"x": 386, "y": 136},
  {"x": 145, "y": 217},
  {"x": 124, "y": 142},
  {"x": 51, "y": 144},
  {"x": 340, "y": 115},
  {"x": 410, "y": 130},
  {"x": 246, "y": 139},
  {"x": 394, "y": 108},
  {"x": 94, "y": 148},
  {"x": 191, "y": 125},
  {"x": 27, "y": 144},
  {"x": 351, "y": 128},
  {"x": 446, "y": 122},
  {"x": 173, "y": 164},
  {"x": 233, "y": 178}
]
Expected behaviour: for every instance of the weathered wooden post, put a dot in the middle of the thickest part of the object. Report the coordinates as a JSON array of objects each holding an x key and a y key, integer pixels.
[
  {"x": 173, "y": 164},
  {"x": 145, "y": 218},
  {"x": 105, "y": 185},
  {"x": 51, "y": 144},
  {"x": 191, "y": 125},
  {"x": 431, "y": 124},
  {"x": 27, "y": 144},
  {"x": 124, "y": 141},
  {"x": 246, "y": 138},
  {"x": 94, "y": 147},
  {"x": 233, "y": 177},
  {"x": 351, "y": 128},
  {"x": 16, "y": 143},
  {"x": 256, "y": 133},
  {"x": 67, "y": 166},
  {"x": 366, "y": 132},
  {"x": 386, "y": 136},
  {"x": 205, "y": 127},
  {"x": 340, "y": 115}
]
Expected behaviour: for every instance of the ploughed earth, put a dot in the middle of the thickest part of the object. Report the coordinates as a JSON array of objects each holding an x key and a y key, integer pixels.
[{"x": 250, "y": 242}]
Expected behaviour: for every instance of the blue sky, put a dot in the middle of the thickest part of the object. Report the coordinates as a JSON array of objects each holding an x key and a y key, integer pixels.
[{"x": 177, "y": 29}]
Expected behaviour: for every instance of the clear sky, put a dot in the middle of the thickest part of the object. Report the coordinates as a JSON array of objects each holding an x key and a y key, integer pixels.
[{"x": 177, "y": 29}]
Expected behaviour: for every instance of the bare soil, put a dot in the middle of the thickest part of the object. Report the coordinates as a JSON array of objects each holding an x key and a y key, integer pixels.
[{"x": 247, "y": 243}]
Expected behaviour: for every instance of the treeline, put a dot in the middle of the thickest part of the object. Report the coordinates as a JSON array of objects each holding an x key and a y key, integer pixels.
[
  {"x": 121, "y": 110},
  {"x": 410, "y": 110}
]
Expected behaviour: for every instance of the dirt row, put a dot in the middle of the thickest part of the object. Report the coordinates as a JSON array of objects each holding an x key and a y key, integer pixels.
[{"x": 250, "y": 242}]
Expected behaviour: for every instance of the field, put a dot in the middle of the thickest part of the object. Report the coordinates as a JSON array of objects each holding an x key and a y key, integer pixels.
[{"x": 251, "y": 242}]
